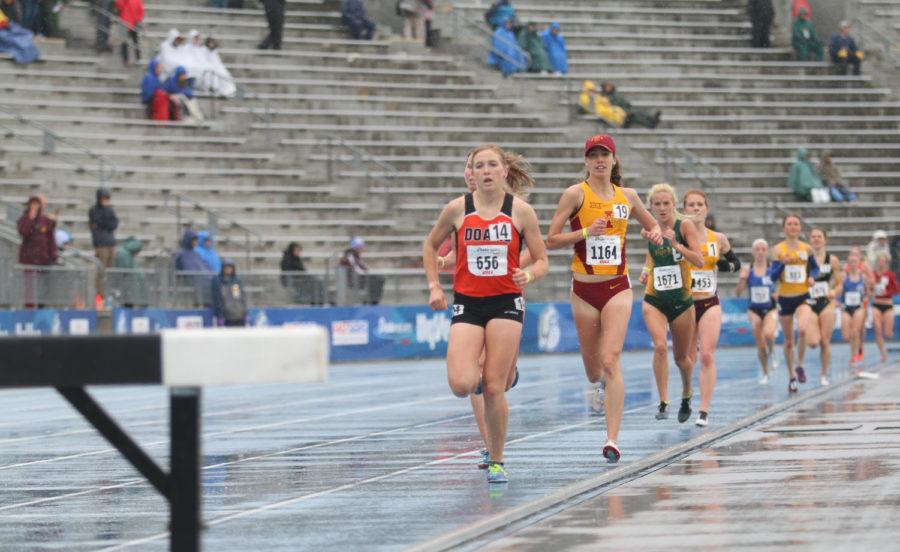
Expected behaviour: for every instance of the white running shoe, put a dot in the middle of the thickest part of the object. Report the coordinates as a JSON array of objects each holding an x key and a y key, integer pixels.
[
  {"x": 764, "y": 380},
  {"x": 823, "y": 381},
  {"x": 866, "y": 375},
  {"x": 702, "y": 419}
]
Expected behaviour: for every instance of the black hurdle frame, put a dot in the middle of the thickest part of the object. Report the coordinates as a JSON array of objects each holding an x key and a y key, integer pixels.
[
  {"x": 181, "y": 486},
  {"x": 70, "y": 363}
]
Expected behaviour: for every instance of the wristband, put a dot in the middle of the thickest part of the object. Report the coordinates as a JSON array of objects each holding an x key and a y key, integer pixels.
[
  {"x": 528, "y": 278},
  {"x": 441, "y": 262},
  {"x": 646, "y": 270},
  {"x": 584, "y": 233}
]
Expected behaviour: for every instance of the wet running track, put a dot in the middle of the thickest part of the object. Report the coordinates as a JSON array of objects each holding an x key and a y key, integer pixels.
[{"x": 382, "y": 457}]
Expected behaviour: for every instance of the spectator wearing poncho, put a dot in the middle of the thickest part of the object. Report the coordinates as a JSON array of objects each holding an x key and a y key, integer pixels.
[
  {"x": 153, "y": 94},
  {"x": 505, "y": 53},
  {"x": 634, "y": 116},
  {"x": 17, "y": 41},
  {"x": 498, "y": 13},
  {"x": 804, "y": 39},
  {"x": 803, "y": 178},
  {"x": 530, "y": 41},
  {"x": 556, "y": 48}
]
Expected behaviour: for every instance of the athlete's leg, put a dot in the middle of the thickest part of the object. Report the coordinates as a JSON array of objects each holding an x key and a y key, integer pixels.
[
  {"x": 709, "y": 328},
  {"x": 857, "y": 325},
  {"x": 684, "y": 340},
  {"x": 787, "y": 328},
  {"x": 501, "y": 343},
  {"x": 878, "y": 325},
  {"x": 478, "y": 408},
  {"x": 762, "y": 353},
  {"x": 463, "y": 350},
  {"x": 826, "y": 328},
  {"x": 613, "y": 327},
  {"x": 658, "y": 328}
]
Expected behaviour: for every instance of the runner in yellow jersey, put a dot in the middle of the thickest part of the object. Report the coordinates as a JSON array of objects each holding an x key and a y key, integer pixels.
[{"x": 717, "y": 257}]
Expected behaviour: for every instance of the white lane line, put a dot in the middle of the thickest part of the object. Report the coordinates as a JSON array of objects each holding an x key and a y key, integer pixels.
[
  {"x": 303, "y": 498},
  {"x": 269, "y": 425}
]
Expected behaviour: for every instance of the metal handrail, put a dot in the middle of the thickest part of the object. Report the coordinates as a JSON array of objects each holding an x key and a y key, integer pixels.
[
  {"x": 692, "y": 160},
  {"x": 888, "y": 45},
  {"x": 359, "y": 155},
  {"x": 107, "y": 168},
  {"x": 213, "y": 217}
]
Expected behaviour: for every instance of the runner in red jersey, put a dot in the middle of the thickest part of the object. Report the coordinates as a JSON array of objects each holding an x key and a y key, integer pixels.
[
  {"x": 885, "y": 287},
  {"x": 490, "y": 225}
]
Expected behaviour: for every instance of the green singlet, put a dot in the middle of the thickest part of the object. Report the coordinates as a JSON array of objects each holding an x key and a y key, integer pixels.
[{"x": 669, "y": 286}]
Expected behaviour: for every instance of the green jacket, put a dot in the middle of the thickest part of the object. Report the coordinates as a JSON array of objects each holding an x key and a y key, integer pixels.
[
  {"x": 126, "y": 251},
  {"x": 532, "y": 43},
  {"x": 802, "y": 33},
  {"x": 803, "y": 177}
]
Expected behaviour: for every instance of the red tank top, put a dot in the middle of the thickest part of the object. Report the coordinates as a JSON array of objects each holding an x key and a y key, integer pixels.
[{"x": 487, "y": 252}]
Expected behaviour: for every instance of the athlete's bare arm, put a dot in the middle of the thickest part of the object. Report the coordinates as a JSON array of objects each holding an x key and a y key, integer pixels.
[
  {"x": 447, "y": 221},
  {"x": 643, "y": 216},
  {"x": 692, "y": 252},
  {"x": 531, "y": 233},
  {"x": 645, "y": 274},
  {"x": 569, "y": 203}
]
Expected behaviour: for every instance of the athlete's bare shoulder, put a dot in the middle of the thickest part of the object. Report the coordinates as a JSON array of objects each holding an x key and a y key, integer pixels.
[{"x": 630, "y": 194}]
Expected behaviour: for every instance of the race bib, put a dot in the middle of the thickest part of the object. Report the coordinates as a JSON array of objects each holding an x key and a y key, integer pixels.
[
  {"x": 852, "y": 299},
  {"x": 825, "y": 269},
  {"x": 603, "y": 251},
  {"x": 819, "y": 290},
  {"x": 881, "y": 286},
  {"x": 712, "y": 249},
  {"x": 667, "y": 278},
  {"x": 620, "y": 211},
  {"x": 795, "y": 274},
  {"x": 703, "y": 281},
  {"x": 760, "y": 295},
  {"x": 676, "y": 256},
  {"x": 487, "y": 260}
]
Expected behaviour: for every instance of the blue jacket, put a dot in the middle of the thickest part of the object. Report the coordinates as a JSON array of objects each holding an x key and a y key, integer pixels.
[
  {"x": 208, "y": 254},
  {"x": 151, "y": 83},
  {"x": 171, "y": 84},
  {"x": 103, "y": 222},
  {"x": 187, "y": 259},
  {"x": 500, "y": 12},
  {"x": 505, "y": 53},
  {"x": 19, "y": 43},
  {"x": 839, "y": 43},
  {"x": 556, "y": 49}
]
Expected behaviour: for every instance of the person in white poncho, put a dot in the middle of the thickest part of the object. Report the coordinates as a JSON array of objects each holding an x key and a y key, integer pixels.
[{"x": 202, "y": 62}]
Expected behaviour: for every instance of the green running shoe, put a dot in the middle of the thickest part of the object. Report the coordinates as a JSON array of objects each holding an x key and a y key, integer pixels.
[{"x": 497, "y": 474}]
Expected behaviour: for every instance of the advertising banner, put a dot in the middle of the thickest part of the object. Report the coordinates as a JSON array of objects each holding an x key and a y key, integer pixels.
[{"x": 48, "y": 322}]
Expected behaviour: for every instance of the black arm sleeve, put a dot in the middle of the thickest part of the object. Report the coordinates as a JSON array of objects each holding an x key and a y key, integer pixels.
[{"x": 730, "y": 263}]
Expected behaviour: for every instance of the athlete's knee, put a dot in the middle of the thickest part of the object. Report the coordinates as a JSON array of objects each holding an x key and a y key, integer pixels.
[
  {"x": 707, "y": 358},
  {"x": 493, "y": 389},
  {"x": 462, "y": 386},
  {"x": 660, "y": 349}
]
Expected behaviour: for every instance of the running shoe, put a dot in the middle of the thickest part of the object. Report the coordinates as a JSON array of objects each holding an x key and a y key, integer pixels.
[
  {"x": 801, "y": 374},
  {"x": 497, "y": 474},
  {"x": 661, "y": 414},
  {"x": 611, "y": 452},
  {"x": 862, "y": 374},
  {"x": 702, "y": 419},
  {"x": 685, "y": 411},
  {"x": 485, "y": 459},
  {"x": 764, "y": 380},
  {"x": 823, "y": 381},
  {"x": 792, "y": 386},
  {"x": 856, "y": 359}
]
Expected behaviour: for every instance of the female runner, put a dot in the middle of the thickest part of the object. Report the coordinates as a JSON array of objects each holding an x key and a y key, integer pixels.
[
  {"x": 448, "y": 262},
  {"x": 821, "y": 303},
  {"x": 853, "y": 291},
  {"x": 717, "y": 255},
  {"x": 668, "y": 303},
  {"x": 883, "y": 303},
  {"x": 598, "y": 210},
  {"x": 488, "y": 307},
  {"x": 761, "y": 310},
  {"x": 794, "y": 268}
]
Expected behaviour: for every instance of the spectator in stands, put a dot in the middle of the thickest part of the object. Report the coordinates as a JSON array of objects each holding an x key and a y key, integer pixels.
[
  {"x": 127, "y": 282},
  {"x": 843, "y": 51},
  {"x": 206, "y": 248},
  {"x": 797, "y": 5},
  {"x": 556, "y": 48},
  {"x": 47, "y": 21},
  {"x": 275, "y": 18},
  {"x": 17, "y": 41},
  {"x": 37, "y": 230},
  {"x": 593, "y": 103},
  {"x": 505, "y": 53},
  {"x": 181, "y": 97},
  {"x": 103, "y": 222},
  {"x": 217, "y": 77},
  {"x": 358, "y": 275},
  {"x": 10, "y": 9},
  {"x": 229, "y": 301},
  {"x": 101, "y": 10},
  {"x": 499, "y": 12},
  {"x": 415, "y": 14},
  {"x": 29, "y": 10},
  {"x": 804, "y": 39},
  {"x": 131, "y": 13},
  {"x": 172, "y": 53},
  {"x": 304, "y": 288},
  {"x": 354, "y": 16},
  {"x": 187, "y": 259},
  {"x": 831, "y": 177},
  {"x": 531, "y": 42},
  {"x": 877, "y": 247},
  {"x": 761, "y": 13},
  {"x": 154, "y": 95},
  {"x": 634, "y": 115},
  {"x": 804, "y": 181}
]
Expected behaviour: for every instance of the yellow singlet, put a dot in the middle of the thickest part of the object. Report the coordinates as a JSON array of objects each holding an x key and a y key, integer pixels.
[
  {"x": 704, "y": 280},
  {"x": 604, "y": 255},
  {"x": 793, "y": 279}
]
